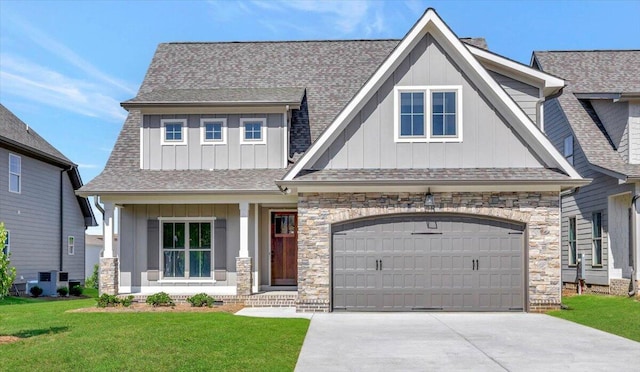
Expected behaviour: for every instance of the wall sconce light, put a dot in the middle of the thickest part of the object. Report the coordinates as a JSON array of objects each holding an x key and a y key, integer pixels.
[{"x": 429, "y": 202}]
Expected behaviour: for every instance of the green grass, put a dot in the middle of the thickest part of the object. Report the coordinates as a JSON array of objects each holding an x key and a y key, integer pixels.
[
  {"x": 53, "y": 339},
  {"x": 617, "y": 315}
]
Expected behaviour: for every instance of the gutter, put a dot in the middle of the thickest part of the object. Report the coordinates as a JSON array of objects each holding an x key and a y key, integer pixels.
[{"x": 570, "y": 182}]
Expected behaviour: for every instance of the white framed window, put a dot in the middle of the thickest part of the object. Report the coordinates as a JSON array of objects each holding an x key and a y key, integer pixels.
[
  {"x": 15, "y": 173},
  {"x": 213, "y": 131},
  {"x": 571, "y": 240},
  {"x": 428, "y": 113},
  {"x": 174, "y": 131},
  {"x": 7, "y": 243},
  {"x": 253, "y": 131},
  {"x": 186, "y": 249},
  {"x": 568, "y": 149},
  {"x": 596, "y": 238},
  {"x": 71, "y": 246}
]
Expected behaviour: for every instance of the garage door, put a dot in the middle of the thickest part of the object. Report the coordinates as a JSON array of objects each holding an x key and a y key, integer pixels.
[{"x": 428, "y": 262}]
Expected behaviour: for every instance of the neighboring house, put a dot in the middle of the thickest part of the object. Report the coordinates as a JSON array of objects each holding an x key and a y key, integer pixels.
[
  {"x": 45, "y": 219},
  {"x": 93, "y": 251},
  {"x": 595, "y": 123},
  {"x": 390, "y": 175}
]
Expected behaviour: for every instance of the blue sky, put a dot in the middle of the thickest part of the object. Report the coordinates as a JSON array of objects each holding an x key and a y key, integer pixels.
[{"x": 66, "y": 65}]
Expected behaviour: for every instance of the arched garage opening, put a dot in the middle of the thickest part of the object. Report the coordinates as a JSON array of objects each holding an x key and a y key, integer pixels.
[{"x": 428, "y": 262}]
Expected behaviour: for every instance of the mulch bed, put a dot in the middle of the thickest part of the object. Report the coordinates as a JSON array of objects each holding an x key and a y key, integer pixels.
[{"x": 178, "y": 308}]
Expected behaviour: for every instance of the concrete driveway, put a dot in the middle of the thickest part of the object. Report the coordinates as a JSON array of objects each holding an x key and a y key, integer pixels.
[{"x": 460, "y": 342}]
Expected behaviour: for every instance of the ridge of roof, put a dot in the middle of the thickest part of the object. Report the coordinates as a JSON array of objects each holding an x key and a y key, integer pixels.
[
  {"x": 586, "y": 50},
  {"x": 277, "y": 41}
]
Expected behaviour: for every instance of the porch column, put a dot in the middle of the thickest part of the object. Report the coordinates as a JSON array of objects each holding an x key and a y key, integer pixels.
[
  {"x": 108, "y": 261},
  {"x": 243, "y": 262}
]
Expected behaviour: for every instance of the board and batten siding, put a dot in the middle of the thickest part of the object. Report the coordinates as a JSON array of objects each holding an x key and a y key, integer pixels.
[
  {"x": 195, "y": 155},
  {"x": 590, "y": 198},
  {"x": 368, "y": 140},
  {"x": 525, "y": 96},
  {"x": 133, "y": 237},
  {"x": 615, "y": 116},
  {"x": 33, "y": 219},
  {"x": 634, "y": 132}
]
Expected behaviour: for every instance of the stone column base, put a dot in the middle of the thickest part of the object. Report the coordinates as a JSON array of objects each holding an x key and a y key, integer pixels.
[
  {"x": 243, "y": 276},
  {"x": 109, "y": 276}
]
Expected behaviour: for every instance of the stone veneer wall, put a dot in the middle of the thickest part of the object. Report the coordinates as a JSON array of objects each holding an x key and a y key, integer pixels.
[
  {"x": 243, "y": 281},
  {"x": 317, "y": 212},
  {"x": 616, "y": 287},
  {"x": 108, "y": 276}
]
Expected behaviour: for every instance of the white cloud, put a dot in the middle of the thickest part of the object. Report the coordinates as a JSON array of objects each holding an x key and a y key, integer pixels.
[{"x": 88, "y": 166}]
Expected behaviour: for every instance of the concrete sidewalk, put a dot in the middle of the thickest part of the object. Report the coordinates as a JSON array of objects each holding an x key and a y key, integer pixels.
[
  {"x": 460, "y": 342},
  {"x": 273, "y": 312}
]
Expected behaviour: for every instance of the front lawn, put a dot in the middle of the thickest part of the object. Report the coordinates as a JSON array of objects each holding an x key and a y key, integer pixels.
[
  {"x": 53, "y": 339},
  {"x": 617, "y": 315}
]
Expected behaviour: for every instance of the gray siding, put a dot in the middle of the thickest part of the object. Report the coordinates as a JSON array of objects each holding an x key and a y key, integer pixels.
[
  {"x": 195, "y": 155},
  {"x": 634, "y": 133},
  {"x": 133, "y": 237},
  {"x": 33, "y": 218},
  {"x": 615, "y": 116},
  {"x": 589, "y": 199},
  {"x": 368, "y": 141},
  {"x": 525, "y": 95}
]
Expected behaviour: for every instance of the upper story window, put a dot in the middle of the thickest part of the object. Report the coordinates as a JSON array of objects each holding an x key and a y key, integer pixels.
[
  {"x": 568, "y": 149},
  {"x": 174, "y": 131},
  {"x": 428, "y": 114},
  {"x": 213, "y": 131},
  {"x": 15, "y": 173},
  {"x": 596, "y": 238},
  {"x": 253, "y": 131},
  {"x": 572, "y": 241}
]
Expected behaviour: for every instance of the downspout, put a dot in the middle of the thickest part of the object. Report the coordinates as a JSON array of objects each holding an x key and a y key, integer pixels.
[
  {"x": 634, "y": 238},
  {"x": 62, "y": 172}
]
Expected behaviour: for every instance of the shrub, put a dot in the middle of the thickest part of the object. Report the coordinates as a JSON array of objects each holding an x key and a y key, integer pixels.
[
  {"x": 62, "y": 291},
  {"x": 107, "y": 300},
  {"x": 201, "y": 300},
  {"x": 7, "y": 273},
  {"x": 76, "y": 290},
  {"x": 35, "y": 291},
  {"x": 160, "y": 299},
  {"x": 94, "y": 280},
  {"x": 127, "y": 301}
]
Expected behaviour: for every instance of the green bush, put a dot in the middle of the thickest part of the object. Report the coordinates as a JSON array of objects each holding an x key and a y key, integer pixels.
[
  {"x": 107, "y": 300},
  {"x": 76, "y": 290},
  {"x": 62, "y": 291},
  {"x": 127, "y": 301},
  {"x": 35, "y": 291},
  {"x": 160, "y": 299},
  {"x": 94, "y": 280},
  {"x": 201, "y": 300},
  {"x": 7, "y": 273}
]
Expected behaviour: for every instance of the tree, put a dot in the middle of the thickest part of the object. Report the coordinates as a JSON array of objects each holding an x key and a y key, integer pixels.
[{"x": 7, "y": 273}]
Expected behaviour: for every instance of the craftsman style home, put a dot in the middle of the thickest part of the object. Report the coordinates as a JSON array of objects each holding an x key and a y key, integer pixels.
[
  {"x": 595, "y": 124},
  {"x": 46, "y": 221},
  {"x": 359, "y": 175}
]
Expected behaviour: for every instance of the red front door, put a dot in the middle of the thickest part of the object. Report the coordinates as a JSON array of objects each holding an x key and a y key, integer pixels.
[{"x": 284, "y": 248}]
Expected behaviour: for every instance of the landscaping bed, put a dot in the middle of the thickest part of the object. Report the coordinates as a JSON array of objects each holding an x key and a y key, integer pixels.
[{"x": 177, "y": 308}]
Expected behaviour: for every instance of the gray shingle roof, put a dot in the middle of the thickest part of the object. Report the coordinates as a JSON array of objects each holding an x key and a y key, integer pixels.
[
  {"x": 594, "y": 72},
  {"x": 284, "y": 95},
  {"x": 14, "y": 131}
]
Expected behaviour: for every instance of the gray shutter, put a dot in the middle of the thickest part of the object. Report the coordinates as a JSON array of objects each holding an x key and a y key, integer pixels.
[
  {"x": 153, "y": 245},
  {"x": 220, "y": 244}
]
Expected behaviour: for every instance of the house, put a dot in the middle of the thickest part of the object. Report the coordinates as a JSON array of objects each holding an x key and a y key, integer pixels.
[
  {"x": 362, "y": 175},
  {"x": 45, "y": 219},
  {"x": 595, "y": 123}
]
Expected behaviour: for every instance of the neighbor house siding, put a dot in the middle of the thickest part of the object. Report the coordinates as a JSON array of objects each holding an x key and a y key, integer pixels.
[
  {"x": 525, "y": 95},
  {"x": 615, "y": 116},
  {"x": 194, "y": 155},
  {"x": 368, "y": 140},
  {"x": 33, "y": 218}
]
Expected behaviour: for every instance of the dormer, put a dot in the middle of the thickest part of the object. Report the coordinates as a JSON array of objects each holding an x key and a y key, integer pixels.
[{"x": 220, "y": 128}]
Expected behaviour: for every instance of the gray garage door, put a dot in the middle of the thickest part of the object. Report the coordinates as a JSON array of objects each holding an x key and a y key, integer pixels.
[{"x": 428, "y": 262}]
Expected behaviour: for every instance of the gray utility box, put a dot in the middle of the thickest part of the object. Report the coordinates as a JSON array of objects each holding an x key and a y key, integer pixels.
[{"x": 50, "y": 281}]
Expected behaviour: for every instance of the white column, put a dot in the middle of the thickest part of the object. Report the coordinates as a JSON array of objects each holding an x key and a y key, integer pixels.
[
  {"x": 107, "y": 228},
  {"x": 636, "y": 244},
  {"x": 244, "y": 229},
  {"x": 256, "y": 255}
]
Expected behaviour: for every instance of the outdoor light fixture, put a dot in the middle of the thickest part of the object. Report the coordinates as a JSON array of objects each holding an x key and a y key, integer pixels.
[{"x": 429, "y": 203}]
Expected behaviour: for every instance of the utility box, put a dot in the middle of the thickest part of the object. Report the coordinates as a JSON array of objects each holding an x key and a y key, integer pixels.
[{"x": 581, "y": 266}]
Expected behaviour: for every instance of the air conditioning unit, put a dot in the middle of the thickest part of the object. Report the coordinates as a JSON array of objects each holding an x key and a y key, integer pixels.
[{"x": 49, "y": 281}]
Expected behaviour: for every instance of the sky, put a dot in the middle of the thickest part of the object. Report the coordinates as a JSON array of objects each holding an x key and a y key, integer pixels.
[{"x": 65, "y": 66}]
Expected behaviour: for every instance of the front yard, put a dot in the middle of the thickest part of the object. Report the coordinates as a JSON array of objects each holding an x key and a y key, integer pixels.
[
  {"x": 617, "y": 315},
  {"x": 53, "y": 339}
]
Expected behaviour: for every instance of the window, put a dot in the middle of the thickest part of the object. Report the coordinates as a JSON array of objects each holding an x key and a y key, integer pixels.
[
  {"x": 253, "y": 131},
  {"x": 428, "y": 114},
  {"x": 174, "y": 131},
  {"x": 186, "y": 249},
  {"x": 71, "y": 245},
  {"x": 568, "y": 149},
  {"x": 596, "y": 238},
  {"x": 6, "y": 249},
  {"x": 572, "y": 241},
  {"x": 15, "y": 173},
  {"x": 213, "y": 131}
]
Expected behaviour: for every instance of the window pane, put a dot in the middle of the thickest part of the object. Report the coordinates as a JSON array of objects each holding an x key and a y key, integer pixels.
[
  {"x": 179, "y": 235},
  {"x": 199, "y": 264},
  {"x": 597, "y": 252},
  {"x": 418, "y": 103},
  {"x": 14, "y": 164},
  {"x": 437, "y": 126},
  {"x": 405, "y": 125},
  {"x": 450, "y": 125},
  {"x": 568, "y": 146},
  {"x": 167, "y": 235},
  {"x": 597, "y": 225},
  {"x": 174, "y": 264},
  {"x": 14, "y": 183},
  {"x": 437, "y": 103},
  {"x": 450, "y": 102},
  {"x": 217, "y": 131},
  {"x": 418, "y": 125},
  {"x": 405, "y": 103},
  {"x": 194, "y": 235}
]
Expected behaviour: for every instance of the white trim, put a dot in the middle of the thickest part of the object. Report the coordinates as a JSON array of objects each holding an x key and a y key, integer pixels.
[
  {"x": 141, "y": 148},
  {"x": 269, "y": 236},
  {"x": 397, "y": 90},
  {"x": 459, "y": 122},
  {"x": 187, "y": 219},
  {"x": 431, "y": 23},
  {"x": 256, "y": 249},
  {"x": 593, "y": 239},
  {"x": 187, "y": 271},
  {"x": 285, "y": 138},
  {"x": 19, "y": 174},
  {"x": 222, "y": 140},
  {"x": 71, "y": 245},
  {"x": 263, "y": 131},
  {"x": 244, "y": 229},
  {"x": 185, "y": 130}
]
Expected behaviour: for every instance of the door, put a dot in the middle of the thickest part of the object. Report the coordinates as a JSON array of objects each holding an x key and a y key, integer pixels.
[
  {"x": 428, "y": 262},
  {"x": 284, "y": 248}
]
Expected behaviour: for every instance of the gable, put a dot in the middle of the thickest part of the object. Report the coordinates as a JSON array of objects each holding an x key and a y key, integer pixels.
[{"x": 368, "y": 140}]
